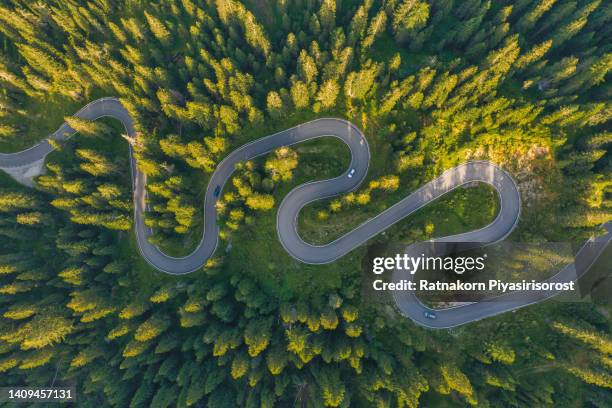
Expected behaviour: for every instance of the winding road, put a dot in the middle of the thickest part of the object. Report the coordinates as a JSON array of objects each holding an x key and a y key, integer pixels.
[
  {"x": 410, "y": 305},
  {"x": 290, "y": 207}
]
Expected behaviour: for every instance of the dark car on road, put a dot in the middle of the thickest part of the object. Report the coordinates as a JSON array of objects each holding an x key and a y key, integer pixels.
[{"x": 217, "y": 191}]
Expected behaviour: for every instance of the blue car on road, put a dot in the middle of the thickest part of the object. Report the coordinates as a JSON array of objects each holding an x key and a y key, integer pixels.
[{"x": 430, "y": 315}]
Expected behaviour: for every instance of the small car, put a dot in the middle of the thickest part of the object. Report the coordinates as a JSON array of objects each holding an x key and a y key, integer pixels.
[
  {"x": 217, "y": 191},
  {"x": 430, "y": 315},
  {"x": 350, "y": 175}
]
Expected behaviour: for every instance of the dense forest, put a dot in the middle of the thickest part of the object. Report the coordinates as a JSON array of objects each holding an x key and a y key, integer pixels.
[{"x": 432, "y": 84}]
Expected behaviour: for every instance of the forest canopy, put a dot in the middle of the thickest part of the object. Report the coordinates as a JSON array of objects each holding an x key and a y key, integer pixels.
[{"x": 524, "y": 84}]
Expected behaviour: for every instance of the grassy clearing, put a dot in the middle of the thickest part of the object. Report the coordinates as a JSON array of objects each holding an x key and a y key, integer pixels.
[
  {"x": 458, "y": 211},
  {"x": 257, "y": 252}
]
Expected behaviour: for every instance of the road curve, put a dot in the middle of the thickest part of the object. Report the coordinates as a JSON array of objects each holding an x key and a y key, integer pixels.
[
  {"x": 410, "y": 305},
  {"x": 477, "y": 171}
]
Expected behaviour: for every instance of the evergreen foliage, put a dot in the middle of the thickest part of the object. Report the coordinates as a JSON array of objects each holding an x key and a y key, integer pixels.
[{"x": 431, "y": 83}]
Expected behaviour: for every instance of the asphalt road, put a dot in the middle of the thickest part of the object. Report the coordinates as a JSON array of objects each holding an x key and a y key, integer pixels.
[
  {"x": 477, "y": 171},
  {"x": 410, "y": 305}
]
